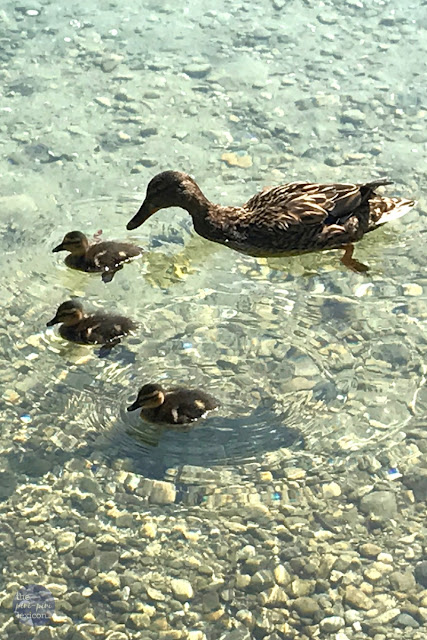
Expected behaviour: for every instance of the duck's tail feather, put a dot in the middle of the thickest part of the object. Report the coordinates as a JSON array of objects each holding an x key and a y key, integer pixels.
[{"x": 383, "y": 210}]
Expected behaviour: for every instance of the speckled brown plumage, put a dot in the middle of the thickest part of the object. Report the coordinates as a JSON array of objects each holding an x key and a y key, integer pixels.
[
  {"x": 99, "y": 328},
  {"x": 176, "y": 406},
  {"x": 106, "y": 257},
  {"x": 289, "y": 219}
]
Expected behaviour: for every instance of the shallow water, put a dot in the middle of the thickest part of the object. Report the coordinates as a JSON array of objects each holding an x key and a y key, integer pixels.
[{"x": 315, "y": 366}]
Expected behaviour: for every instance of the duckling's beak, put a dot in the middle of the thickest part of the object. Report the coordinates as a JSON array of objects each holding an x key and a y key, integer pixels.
[
  {"x": 134, "y": 405},
  {"x": 60, "y": 247},
  {"x": 144, "y": 212},
  {"x": 52, "y": 322}
]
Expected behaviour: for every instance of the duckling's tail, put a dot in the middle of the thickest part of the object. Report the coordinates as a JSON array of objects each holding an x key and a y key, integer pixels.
[{"x": 383, "y": 210}]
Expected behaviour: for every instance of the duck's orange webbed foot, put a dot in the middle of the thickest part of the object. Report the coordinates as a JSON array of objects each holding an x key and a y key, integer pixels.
[{"x": 351, "y": 263}]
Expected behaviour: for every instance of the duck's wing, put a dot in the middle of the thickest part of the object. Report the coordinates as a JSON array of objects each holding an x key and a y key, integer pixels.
[
  {"x": 307, "y": 203},
  {"x": 106, "y": 329},
  {"x": 188, "y": 405},
  {"x": 108, "y": 256}
]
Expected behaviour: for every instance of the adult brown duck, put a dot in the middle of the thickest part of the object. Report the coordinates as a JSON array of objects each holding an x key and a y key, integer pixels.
[{"x": 290, "y": 219}]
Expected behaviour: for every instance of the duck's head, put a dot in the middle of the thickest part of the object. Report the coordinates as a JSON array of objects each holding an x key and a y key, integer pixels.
[
  {"x": 75, "y": 242},
  {"x": 68, "y": 313},
  {"x": 150, "y": 396},
  {"x": 167, "y": 189}
]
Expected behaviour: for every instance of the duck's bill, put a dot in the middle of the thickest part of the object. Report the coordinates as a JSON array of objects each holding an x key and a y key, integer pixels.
[
  {"x": 60, "y": 247},
  {"x": 52, "y": 322},
  {"x": 133, "y": 406},
  {"x": 141, "y": 216}
]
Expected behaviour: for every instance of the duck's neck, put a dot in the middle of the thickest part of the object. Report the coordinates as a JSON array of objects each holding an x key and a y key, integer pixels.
[{"x": 196, "y": 203}]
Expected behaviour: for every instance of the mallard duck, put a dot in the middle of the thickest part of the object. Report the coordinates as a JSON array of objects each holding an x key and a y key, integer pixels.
[
  {"x": 290, "y": 219},
  {"x": 100, "y": 328},
  {"x": 177, "y": 406},
  {"x": 102, "y": 257}
]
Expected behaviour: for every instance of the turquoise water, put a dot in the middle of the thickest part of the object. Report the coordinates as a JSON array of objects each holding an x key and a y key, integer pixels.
[{"x": 320, "y": 371}]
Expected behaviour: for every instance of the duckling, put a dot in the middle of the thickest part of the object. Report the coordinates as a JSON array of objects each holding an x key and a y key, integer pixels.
[
  {"x": 177, "y": 406},
  {"x": 290, "y": 219},
  {"x": 99, "y": 328},
  {"x": 102, "y": 257}
]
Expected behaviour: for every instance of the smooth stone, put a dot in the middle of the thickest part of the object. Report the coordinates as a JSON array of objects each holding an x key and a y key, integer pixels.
[
  {"x": 232, "y": 159},
  {"x": 404, "y": 582},
  {"x": 331, "y": 490},
  {"x": 354, "y": 116},
  {"x": 103, "y": 101},
  {"x": 332, "y": 624},
  {"x": 182, "y": 589},
  {"x": 357, "y": 599},
  {"x": 381, "y": 504},
  {"x": 385, "y": 618},
  {"x": 197, "y": 69},
  {"x": 369, "y": 550},
  {"x": 85, "y": 549},
  {"x": 138, "y": 621},
  {"x": 262, "y": 580},
  {"x": 107, "y": 582},
  {"x": 306, "y": 607},
  {"x": 420, "y": 573},
  {"x": 282, "y": 575},
  {"x": 417, "y": 482},
  {"x": 405, "y": 620},
  {"x": 162, "y": 492}
]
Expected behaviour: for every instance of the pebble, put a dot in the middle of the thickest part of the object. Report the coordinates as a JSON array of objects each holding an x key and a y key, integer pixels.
[
  {"x": 357, "y": 599},
  {"x": 354, "y": 116},
  {"x": 373, "y": 575},
  {"x": 405, "y": 620},
  {"x": 262, "y": 580},
  {"x": 295, "y": 473},
  {"x": 85, "y": 549},
  {"x": 107, "y": 582},
  {"x": 420, "y": 573},
  {"x": 111, "y": 63},
  {"x": 381, "y": 504},
  {"x": 162, "y": 492},
  {"x": 282, "y": 575},
  {"x": 331, "y": 490},
  {"x": 11, "y": 396},
  {"x": 148, "y": 530},
  {"x": 244, "y": 161},
  {"x": 306, "y": 607},
  {"x": 103, "y": 100},
  {"x": 386, "y": 617},
  {"x": 197, "y": 69},
  {"x": 182, "y": 589},
  {"x": 138, "y": 621},
  {"x": 332, "y": 624},
  {"x": 412, "y": 289},
  {"x": 369, "y": 550}
]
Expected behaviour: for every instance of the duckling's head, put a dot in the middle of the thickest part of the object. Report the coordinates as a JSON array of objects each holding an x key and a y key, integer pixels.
[
  {"x": 69, "y": 313},
  {"x": 75, "y": 242},
  {"x": 150, "y": 396},
  {"x": 167, "y": 189}
]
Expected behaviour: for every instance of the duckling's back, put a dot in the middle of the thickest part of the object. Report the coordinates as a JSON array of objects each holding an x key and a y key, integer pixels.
[{"x": 99, "y": 328}]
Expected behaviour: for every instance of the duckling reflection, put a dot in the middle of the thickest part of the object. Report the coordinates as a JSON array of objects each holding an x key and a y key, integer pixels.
[
  {"x": 99, "y": 257},
  {"x": 100, "y": 328},
  {"x": 178, "y": 406}
]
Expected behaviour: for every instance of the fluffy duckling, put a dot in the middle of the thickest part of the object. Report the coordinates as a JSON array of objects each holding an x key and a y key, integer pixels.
[
  {"x": 177, "y": 406},
  {"x": 99, "y": 328},
  {"x": 101, "y": 257},
  {"x": 293, "y": 218}
]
